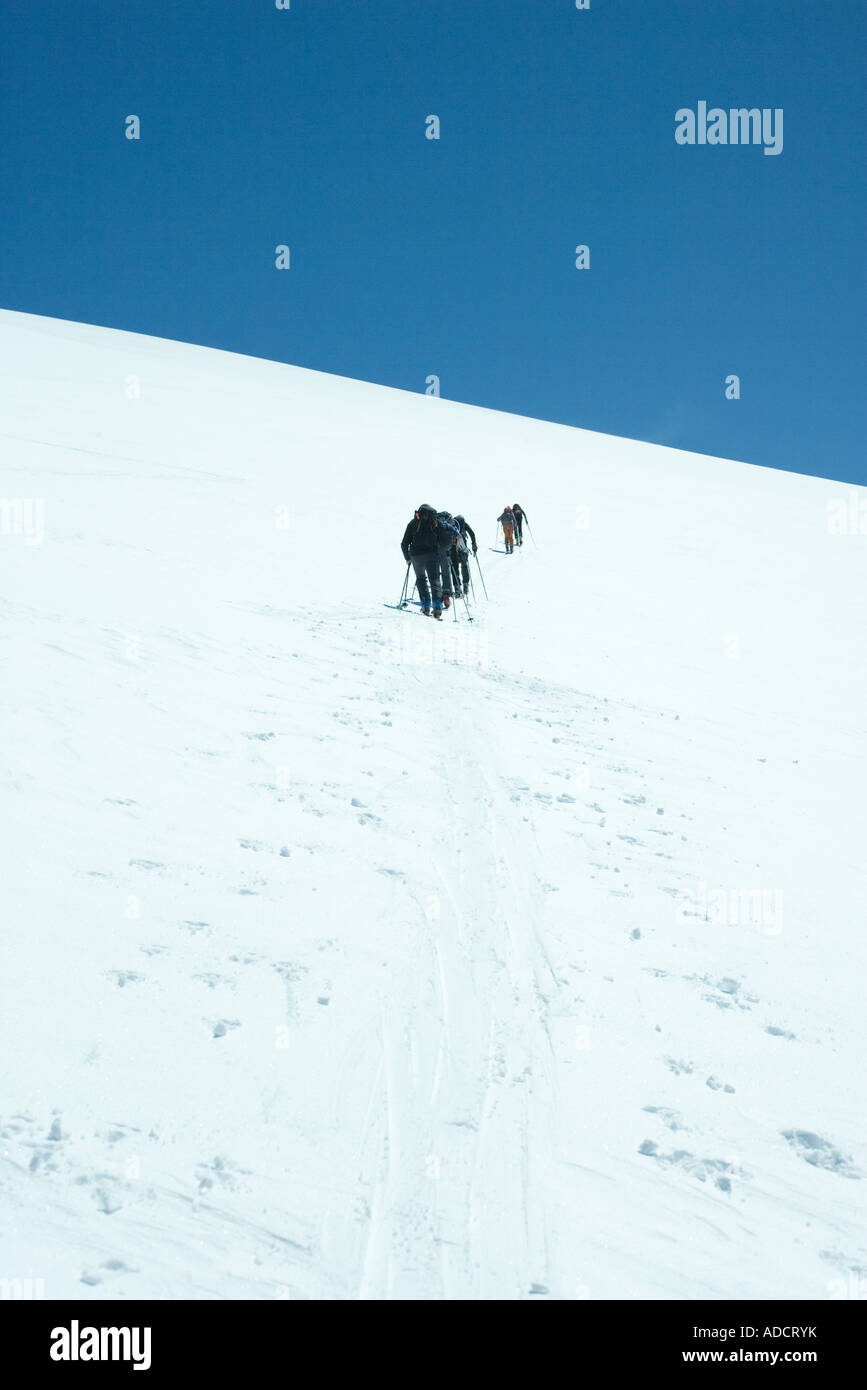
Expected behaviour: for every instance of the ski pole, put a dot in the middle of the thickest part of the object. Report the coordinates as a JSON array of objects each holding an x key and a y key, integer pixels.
[
  {"x": 532, "y": 537},
  {"x": 402, "y": 599},
  {"x": 481, "y": 576}
]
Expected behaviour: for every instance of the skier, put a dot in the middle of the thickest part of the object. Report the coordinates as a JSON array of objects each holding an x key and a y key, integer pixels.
[
  {"x": 420, "y": 546},
  {"x": 456, "y": 555},
  {"x": 507, "y": 521},
  {"x": 463, "y": 554},
  {"x": 520, "y": 516},
  {"x": 447, "y": 533}
]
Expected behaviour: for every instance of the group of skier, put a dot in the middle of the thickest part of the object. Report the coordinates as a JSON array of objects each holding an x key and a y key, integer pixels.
[
  {"x": 437, "y": 546},
  {"x": 512, "y": 521}
]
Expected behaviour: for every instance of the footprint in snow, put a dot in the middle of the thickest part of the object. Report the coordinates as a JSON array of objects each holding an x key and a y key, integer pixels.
[
  {"x": 223, "y": 1026},
  {"x": 853, "y": 1266},
  {"x": 17, "y": 1125},
  {"x": 722, "y": 1170},
  {"x": 289, "y": 970},
  {"x": 672, "y": 1119},
  {"x": 124, "y": 977},
  {"x": 118, "y": 1132},
  {"x": 107, "y": 1201},
  {"x": 725, "y": 993},
  {"x": 211, "y": 979},
  {"x": 716, "y": 1085},
  {"x": 94, "y": 1277},
  {"x": 819, "y": 1153},
  {"x": 679, "y": 1068},
  {"x": 220, "y": 1172}
]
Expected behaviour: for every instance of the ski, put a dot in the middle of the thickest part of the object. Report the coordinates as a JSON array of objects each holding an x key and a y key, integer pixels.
[{"x": 418, "y": 613}]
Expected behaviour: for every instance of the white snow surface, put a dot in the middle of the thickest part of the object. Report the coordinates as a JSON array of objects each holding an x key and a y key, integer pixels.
[{"x": 349, "y": 955}]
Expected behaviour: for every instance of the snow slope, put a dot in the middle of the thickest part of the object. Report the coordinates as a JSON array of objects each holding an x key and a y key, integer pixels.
[{"x": 346, "y": 955}]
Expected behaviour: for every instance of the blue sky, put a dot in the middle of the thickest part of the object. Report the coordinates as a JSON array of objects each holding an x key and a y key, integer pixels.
[{"x": 455, "y": 257}]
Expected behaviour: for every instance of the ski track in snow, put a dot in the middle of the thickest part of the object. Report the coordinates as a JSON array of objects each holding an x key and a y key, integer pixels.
[
  {"x": 356, "y": 957},
  {"x": 477, "y": 1084}
]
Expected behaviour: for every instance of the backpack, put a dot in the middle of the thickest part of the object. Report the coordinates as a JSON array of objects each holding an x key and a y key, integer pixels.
[
  {"x": 426, "y": 538},
  {"x": 448, "y": 532}
]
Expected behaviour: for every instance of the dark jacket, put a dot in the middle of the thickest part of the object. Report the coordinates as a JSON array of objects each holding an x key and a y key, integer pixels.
[
  {"x": 466, "y": 530},
  {"x": 421, "y": 536}
]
